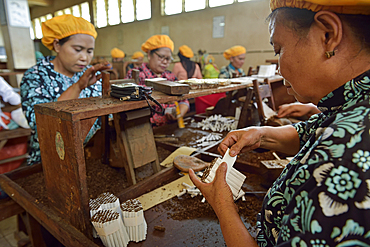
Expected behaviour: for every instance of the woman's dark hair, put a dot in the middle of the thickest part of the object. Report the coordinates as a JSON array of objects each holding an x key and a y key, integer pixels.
[
  {"x": 359, "y": 25},
  {"x": 153, "y": 51},
  {"x": 300, "y": 21},
  {"x": 64, "y": 40}
]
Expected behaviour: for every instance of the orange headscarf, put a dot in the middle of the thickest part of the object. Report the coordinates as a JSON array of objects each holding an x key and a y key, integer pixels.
[
  {"x": 157, "y": 41},
  {"x": 117, "y": 53},
  {"x": 361, "y": 7},
  {"x": 186, "y": 51},
  {"x": 63, "y": 26},
  {"x": 234, "y": 51},
  {"x": 137, "y": 55}
]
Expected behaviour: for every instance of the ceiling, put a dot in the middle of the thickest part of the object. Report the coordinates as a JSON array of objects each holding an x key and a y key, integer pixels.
[{"x": 33, "y": 3}]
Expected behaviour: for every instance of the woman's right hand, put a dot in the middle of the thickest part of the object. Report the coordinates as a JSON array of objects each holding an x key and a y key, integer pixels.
[
  {"x": 241, "y": 141},
  {"x": 89, "y": 77}
]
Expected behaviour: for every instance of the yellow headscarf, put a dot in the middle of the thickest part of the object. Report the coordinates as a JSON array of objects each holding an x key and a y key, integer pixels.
[
  {"x": 63, "y": 26},
  {"x": 234, "y": 51},
  {"x": 117, "y": 53},
  {"x": 157, "y": 41},
  {"x": 361, "y": 7},
  {"x": 137, "y": 55},
  {"x": 186, "y": 51}
]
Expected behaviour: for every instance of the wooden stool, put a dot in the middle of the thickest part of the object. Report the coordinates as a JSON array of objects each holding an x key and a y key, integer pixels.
[{"x": 136, "y": 141}]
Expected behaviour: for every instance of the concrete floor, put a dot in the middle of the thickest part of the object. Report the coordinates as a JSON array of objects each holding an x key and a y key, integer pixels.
[{"x": 7, "y": 229}]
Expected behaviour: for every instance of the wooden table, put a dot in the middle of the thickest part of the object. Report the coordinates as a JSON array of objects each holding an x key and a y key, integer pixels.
[{"x": 62, "y": 128}]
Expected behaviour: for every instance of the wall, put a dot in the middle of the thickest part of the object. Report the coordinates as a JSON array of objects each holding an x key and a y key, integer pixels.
[{"x": 244, "y": 25}]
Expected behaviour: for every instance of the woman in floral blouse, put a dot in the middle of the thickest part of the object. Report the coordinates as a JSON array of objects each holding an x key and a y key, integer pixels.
[
  {"x": 62, "y": 77},
  {"x": 322, "y": 197},
  {"x": 159, "y": 49}
]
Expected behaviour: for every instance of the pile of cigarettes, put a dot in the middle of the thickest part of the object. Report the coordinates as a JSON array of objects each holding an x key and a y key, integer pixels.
[
  {"x": 117, "y": 224},
  {"x": 208, "y": 140},
  {"x": 218, "y": 123}
]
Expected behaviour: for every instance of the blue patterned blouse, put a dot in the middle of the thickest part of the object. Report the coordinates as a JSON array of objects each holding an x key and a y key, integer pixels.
[
  {"x": 322, "y": 197},
  {"x": 42, "y": 84}
]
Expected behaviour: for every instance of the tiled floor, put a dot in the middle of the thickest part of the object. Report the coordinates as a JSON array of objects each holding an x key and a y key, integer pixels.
[{"x": 7, "y": 229}]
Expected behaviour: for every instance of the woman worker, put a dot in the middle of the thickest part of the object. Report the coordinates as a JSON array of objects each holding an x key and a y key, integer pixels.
[
  {"x": 136, "y": 60},
  {"x": 64, "y": 76},
  {"x": 186, "y": 69},
  {"x": 117, "y": 55},
  {"x": 210, "y": 71},
  {"x": 236, "y": 55},
  {"x": 159, "y": 49},
  {"x": 322, "y": 197}
]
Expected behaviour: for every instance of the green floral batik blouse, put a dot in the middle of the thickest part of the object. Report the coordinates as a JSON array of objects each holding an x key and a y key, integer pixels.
[
  {"x": 42, "y": 84},
  {"x": 322, "y": 197}
]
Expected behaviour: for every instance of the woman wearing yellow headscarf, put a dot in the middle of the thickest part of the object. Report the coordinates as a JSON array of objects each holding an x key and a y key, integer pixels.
[
  {"x": 321, "y": 198},
  {"x": 236, "y": 55},
  {"x": 117, "y": 55},
  {"x": 159, "y": 49},
  {"x": 136, "y": 61},
  {"x": 186, "y": 68},
  {"x": 64, "y": 76}
]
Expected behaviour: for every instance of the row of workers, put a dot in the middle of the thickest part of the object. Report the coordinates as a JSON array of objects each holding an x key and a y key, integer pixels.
[
  {"x": 160, "y": 48},
  {"x": 186, "y": 68}
]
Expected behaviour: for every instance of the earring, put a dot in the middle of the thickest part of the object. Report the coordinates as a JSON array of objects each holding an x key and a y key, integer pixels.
[{"x": 329, "y": 54}]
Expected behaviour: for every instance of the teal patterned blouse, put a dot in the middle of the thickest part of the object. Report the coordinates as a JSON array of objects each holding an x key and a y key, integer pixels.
[
  {"x": 322, "y": 197},
  {"x": 42, "y": 84}
]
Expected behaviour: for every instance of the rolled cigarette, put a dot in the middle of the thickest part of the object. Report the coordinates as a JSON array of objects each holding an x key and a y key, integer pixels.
[{"x": 276, "y": 156}]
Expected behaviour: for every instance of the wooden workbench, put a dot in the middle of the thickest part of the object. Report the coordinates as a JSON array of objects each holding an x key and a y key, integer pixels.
[{"x": 62, "y": 128}]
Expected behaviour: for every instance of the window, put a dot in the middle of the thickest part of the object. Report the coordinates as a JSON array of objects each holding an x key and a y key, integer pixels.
[
  {"x": 85, "y": 11},
  {"x": 101, "y": 14},
  {"x": 127, "y": 11},
  {"x": 36, "y": 31},
  {"x": 173, "y": 7},
  {"x": 81, "y": 10},
  {"x": 143, "y": 10},
  {"x": 191, "y": 5},
  {"x": 216, "y": 3},
  {"x": 112, "y": 12}
]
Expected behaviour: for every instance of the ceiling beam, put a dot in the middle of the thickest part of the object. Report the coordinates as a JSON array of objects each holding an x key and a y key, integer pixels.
[{"x": 40, "y": 2}]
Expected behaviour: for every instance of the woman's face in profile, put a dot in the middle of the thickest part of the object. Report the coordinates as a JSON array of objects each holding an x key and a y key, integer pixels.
[
  {"x": 238, "y": 61},
  {"x": 300, "y": 61},
  {"x": 159, "y": 60},
  {"x": 76, "y": 53}
]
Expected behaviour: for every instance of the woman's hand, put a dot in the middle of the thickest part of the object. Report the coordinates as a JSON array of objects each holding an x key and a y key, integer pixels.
[
  {"x": 217, "y": 193},
  {"x": 89, "y": 77},
  {"x": 297, "y": 110},
  {"x": 241, "y": 141}
]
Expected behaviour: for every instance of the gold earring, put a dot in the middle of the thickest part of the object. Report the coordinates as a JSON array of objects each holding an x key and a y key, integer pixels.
[{"x": 329, "y": 54}]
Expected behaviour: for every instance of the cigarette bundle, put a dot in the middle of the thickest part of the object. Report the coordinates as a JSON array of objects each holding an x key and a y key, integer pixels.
[
  {"x": 109, "y": 201},
  {"x": 234, "y": 178},
  {"x": 109, "y": 226},
  {"x": 133, "y": 217},
  {"x": 105, "y": 200}
]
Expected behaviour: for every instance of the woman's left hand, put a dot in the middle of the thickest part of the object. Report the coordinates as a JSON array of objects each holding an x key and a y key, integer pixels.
[
  {"x": 217, "y": 193},
  {"x": 89, "y": 77}
]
